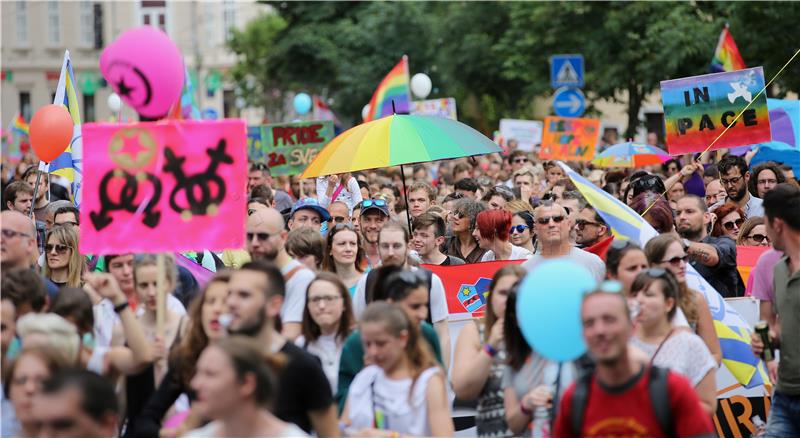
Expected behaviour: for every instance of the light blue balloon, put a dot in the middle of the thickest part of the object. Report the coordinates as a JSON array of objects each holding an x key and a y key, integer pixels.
[
  {"x": 302, "y": 103},
  {"x": 548, "y": 309}
]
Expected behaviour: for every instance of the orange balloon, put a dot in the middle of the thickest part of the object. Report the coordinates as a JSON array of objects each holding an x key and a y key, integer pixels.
[{"x": 50, "y": 132}]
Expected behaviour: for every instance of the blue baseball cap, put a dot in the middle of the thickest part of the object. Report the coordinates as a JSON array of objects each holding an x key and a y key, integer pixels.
[{"x": 311, "y": 204}]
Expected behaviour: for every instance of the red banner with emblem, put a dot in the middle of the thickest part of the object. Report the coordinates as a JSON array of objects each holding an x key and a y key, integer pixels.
[{"x": 467, "y": 286}]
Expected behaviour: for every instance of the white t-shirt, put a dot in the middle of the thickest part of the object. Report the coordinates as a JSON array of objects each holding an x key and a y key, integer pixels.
[
  {"x": 403, "y": 414},
  {"x": 684, "y": 352},
  {"x": 517, "y": 253},
  {"x": 438, "y": 299},
  {"x": 590, "y": 261},
  {"x": 210, "y": 431},
  {"x": 295, "y": 300},
  {"x": 350, "y": 194},
  {"x": 329, "y": 351}
]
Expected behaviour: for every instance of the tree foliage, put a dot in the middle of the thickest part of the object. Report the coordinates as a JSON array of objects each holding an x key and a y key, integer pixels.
[{"x": 493, "y": 56}]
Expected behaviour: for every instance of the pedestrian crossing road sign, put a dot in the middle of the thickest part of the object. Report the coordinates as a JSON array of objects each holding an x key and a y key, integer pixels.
[{"x": 566, "y": 71}]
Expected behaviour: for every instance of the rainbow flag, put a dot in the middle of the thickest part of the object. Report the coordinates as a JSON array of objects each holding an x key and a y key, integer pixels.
[
  {"x": 186, "y": 108},
  {"x": 726, "y": 56},
  {"x": 731, "y": 328},
  {"x": 393, "y": 88},
  {"x": 19, "y": 126},
  {"x": 68, "y": 164}
]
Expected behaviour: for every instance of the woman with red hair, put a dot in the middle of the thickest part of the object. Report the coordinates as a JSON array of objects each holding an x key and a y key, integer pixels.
[
  {"x": 492, "y": 232},
  {"x": 659, "y": 213},
  {"x": 730, "y": 219}
]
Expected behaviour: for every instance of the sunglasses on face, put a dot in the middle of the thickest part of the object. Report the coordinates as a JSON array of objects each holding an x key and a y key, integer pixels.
[
  {"x": 758, "y": 237},
  {"x": 519, "y": 229},
  {"x": 731, "y": 224},
  {"x": 546, "y": 220},
  {"x": 338, "y": 219},
  {"x": 520, "y": 160},
  {"x": 582, "y": 223},
  {"x": 59, "y": 248},
  {"x": 261, "y": 237},
  {"x": 676, "y": 261}
]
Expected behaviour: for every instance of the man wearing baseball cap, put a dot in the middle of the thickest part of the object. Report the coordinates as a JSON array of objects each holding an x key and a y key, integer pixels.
[
  {"x": 308, "y": 213},
  {"x": 374, "y": 213}
]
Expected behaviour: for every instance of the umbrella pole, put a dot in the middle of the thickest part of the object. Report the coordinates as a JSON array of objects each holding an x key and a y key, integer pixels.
[{"x": 405, "y": 192}]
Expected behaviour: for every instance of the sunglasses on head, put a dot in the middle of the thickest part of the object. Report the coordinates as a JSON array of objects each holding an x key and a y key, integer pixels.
[
  {"x": 60, "y": 249},
  {"x": 759, "y": 238},
  {"x": 261, "y": 237},
  {"x": 656, "y": 272},
  {"x": 546, "y": 220},
  {"x": 370, "y": 202},
  {"x": 344, "y": 226},
  {"x": 730, "y": 224},
  {"x": 519, "y": 229},
  {"x": 619, "y": 245},
  {"x": 676, "y": 261}
]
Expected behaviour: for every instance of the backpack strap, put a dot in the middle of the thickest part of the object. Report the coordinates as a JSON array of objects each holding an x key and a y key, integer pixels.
[
  {"x": 291, "y": 273},
  {"x": 580, "y": 398},
  {"x": 658, "y": 386},
  {"x": 429, "y": 277}
]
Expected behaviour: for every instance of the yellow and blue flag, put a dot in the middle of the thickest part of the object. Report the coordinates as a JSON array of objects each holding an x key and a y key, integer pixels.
[
  {"x": 69, "y": 163},
  {"x": 731, "y": 328}
]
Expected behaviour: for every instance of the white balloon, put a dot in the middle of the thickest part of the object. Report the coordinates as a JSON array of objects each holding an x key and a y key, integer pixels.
[
  {"x": 114, "y": 102},
  {"x": 365, "y": 112},
  {"x": 421, "y": 85}
]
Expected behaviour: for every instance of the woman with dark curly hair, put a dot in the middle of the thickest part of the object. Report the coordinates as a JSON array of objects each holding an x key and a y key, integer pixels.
[
  {"x": 203, "y": 328},
  {"x": 660, "y": 215},
  {"x": 730, "y": 219},
  {"x": 764, "y": 177}
]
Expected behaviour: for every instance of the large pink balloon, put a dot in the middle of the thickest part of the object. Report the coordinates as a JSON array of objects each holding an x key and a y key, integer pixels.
[{"x": 146, "y": 69}]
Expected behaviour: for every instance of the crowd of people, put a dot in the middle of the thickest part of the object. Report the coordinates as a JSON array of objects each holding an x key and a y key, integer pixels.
[{"x": 328, "y": 322}]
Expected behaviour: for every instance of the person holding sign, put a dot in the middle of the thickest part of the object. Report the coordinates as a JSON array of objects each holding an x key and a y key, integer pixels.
[{"x": 343, "y": 187}]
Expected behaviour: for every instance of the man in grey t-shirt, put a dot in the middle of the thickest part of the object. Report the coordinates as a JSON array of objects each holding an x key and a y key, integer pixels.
[{"x": 552, "y": 226}]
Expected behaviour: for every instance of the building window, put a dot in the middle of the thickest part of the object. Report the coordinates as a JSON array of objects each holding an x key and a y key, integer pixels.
[
  {"x": 87, "y": 23},
  {"x": 25, "y": 105},
  {"x": 88, "y": 108},
  {"x": 98, "y": 26},
  {"x": 228, "y": 18},
  {"x": 228, "y": 103},
  {"x": 154, "y": 13},
  {"x": 53, "y": 23},
  {"x": 22, "y": 23}
]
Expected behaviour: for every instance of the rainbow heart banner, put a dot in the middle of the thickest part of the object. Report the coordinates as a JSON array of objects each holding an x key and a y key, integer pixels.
[{"x": 698, "y": 109}]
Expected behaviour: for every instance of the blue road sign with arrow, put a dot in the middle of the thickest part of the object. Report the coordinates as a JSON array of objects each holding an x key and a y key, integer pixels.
[{"x": 569, "y": 102}]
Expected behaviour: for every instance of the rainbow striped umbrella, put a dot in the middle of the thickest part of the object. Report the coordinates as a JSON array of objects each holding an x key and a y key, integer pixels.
[
  {"x": 630, "y": 154},
  {"x": 396, "y": 140}
]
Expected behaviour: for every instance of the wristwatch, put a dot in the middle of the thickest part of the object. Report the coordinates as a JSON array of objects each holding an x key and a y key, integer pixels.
[{"x": 686, "y": 244}]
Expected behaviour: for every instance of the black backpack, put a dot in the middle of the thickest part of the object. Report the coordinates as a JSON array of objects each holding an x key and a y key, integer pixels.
[{"x": 657, "y": 386}]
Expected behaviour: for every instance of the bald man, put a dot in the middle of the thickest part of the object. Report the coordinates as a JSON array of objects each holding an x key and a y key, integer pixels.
[
  {"x": 266, "y": 240},
  {"x": 18, "y": 249}
]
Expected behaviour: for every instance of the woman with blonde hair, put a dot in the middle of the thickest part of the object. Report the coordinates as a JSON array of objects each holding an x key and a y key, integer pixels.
[
  {"x": 753, "y": 232},
  {"x": 64, "y": 265}
]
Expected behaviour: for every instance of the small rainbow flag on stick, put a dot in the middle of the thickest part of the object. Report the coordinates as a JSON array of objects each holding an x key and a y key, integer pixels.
[
  {"x": 726, "y": 56},
  {"x": 393, "y": 87},
  {"x": 20, "y": 126}
]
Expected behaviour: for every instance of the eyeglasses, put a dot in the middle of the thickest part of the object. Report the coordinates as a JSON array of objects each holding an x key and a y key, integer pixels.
[
  {"x": 519, "y": 229},
  {"x": 676, "y": 261},
  {"x": 327, "y": 299},
  {"x": 758, "y": 237},
  {"x": 338, "y": 219},
  {"x": 546, "y": 220},
  {"x": 520, "y": 160},
  {"x": 261, "y": 237},
  {"x": 370, "y": 202},
  {"x": 59, "y": 248},
  {"x": 731, "y": 224},
  {"x": 10, "y": 234},
  {"x": 730, "y": 181},
  {"x": 582, "y": 223}
]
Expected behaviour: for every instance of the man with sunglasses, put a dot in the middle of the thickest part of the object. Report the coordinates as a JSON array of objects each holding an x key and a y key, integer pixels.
[
  {"x": 340, "y": 214},
  {"x": 590, "y": 228},
  {"x": 782, "y": 206},
  {"x": 552, "y": 227},
  {"x": 266, "y": 240},
  {"x": 734, "y": 176},
  {"x": 713, "y": 257}
]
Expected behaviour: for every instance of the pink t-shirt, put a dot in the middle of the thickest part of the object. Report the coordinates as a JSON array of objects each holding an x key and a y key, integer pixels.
[{"x": 760, "y": 285}]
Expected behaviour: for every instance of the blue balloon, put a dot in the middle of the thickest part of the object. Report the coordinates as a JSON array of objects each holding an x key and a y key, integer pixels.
[
  {"x": 548, "y": 309},
  {"x": 302, "y": 103}
]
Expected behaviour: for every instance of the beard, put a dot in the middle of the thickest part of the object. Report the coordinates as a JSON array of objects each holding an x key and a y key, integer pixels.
[
  {"x": 252, "y": 327},
  {"x": 266, "y": 255},
  {"x": 739, "y": 195},
  {"x": 691, "y": 233}
]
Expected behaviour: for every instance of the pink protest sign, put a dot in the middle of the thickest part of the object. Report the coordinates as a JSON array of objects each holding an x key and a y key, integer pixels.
[{"x": 163, "y": 186}]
